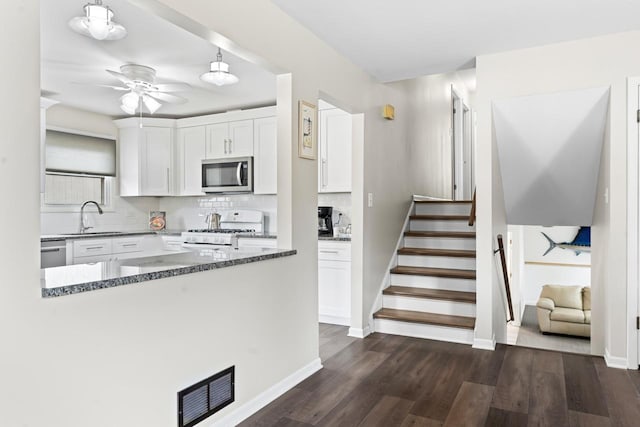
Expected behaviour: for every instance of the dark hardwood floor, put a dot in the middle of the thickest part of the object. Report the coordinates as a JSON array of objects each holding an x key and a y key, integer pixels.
[{"x": 387, "y": 380}]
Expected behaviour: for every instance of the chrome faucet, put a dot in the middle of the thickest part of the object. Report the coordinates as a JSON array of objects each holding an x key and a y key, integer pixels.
[{"x": 83, "y": 227}]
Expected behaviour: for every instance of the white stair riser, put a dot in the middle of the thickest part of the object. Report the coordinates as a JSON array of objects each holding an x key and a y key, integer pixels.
[
  {"x": 426, "y": 305},
  {"x": 430, "y": 282},
  {"x": 440, "y": 243},
  {"x": 418, "y": 330},
  {"x": 443, "y": 209},
  {"x": 437, "y": 262},
  {"x": 439, "y": 225}
]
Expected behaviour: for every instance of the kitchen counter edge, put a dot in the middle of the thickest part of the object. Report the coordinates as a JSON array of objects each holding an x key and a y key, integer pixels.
[{"x": 145, "y": 277}]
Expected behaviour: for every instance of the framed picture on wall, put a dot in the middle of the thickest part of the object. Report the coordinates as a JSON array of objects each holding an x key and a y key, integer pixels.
[{"x": 307, "y": 130}]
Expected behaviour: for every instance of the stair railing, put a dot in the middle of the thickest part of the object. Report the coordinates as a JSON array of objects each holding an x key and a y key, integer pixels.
[
  {"x": 507, "y": 287},
  {"x": 472, "y": 214}
]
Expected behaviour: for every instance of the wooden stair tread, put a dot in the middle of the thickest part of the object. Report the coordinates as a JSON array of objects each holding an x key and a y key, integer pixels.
[
  {"x": 438, "y": 272},
  {"x": 453, "y": 234},
  {"x": 439, "y": 217},
  {"x": 459, "y": 253},
  {"x": 426, "y": 318},
  {"x": 444, "y": 201},
  {"x": 441, "y": 294}
]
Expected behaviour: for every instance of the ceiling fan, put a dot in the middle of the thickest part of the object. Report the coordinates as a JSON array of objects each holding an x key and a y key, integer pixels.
[{"x": 139, "y": 83}]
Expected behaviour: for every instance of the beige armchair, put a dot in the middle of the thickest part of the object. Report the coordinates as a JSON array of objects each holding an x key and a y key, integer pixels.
[{"x": 565, "y": 310}]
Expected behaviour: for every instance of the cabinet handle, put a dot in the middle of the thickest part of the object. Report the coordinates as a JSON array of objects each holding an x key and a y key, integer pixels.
[
  {"x": 50, "y": 250},
  {"x": 91, "y": 248},
  {"x": 167, "y": 180},
  {"x": 128, "y": 245},
  {"x": 324, "y": 173},
  {"x": 230, "y": 146},
  {"x": 329, "y": 252},
  {"x": 225, "y": 145}
]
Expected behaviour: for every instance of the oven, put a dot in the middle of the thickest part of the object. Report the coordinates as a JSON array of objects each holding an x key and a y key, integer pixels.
[{"x": 227, "y": 175}]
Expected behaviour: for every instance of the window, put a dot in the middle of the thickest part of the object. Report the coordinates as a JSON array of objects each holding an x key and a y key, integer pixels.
[
  {"x": 78, "y": 168},
  {"x": 68, "y": 189}
]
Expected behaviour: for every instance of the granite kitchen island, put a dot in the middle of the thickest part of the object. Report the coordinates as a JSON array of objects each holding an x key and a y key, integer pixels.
[{"x": 73, "y": 279}]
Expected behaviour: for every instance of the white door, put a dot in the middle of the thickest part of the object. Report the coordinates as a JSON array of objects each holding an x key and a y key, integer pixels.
[
  {"x": 191, "y": 151},
  {"x": 217, "y": 141},
  {"x": 156, "y": 171},
  {"x": 335, "y": 151},
  {"x": 467, "y": 154},
  {"x": 457, "y": 163},
  {"x": 240, "y": 141}
]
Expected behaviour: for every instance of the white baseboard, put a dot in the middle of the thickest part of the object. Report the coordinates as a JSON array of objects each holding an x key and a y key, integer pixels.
[
  {"x": 615, "y": 362},
  {"x": 359, "y": 332},
  {"x": 484, "y": 344},
  {"x": 334, "y": 320},
  {"x": 269, "y": 395}
]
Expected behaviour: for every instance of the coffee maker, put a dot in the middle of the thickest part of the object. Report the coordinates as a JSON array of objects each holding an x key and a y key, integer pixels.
[{"x": 325, "y": 221}]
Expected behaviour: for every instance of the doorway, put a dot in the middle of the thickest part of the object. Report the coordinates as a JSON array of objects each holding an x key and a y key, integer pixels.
[
  {"x": 549, "y": 268},
  {"x": 461, "y": 148}
]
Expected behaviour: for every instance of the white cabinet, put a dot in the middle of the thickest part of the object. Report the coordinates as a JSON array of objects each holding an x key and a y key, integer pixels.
[
  {"x": 232, "y": 139},
  {"x": 82, "y": 251},
  {"x": 265, "y": 151},
  {"x": 334, "y": 282},
  {"x": 146, "y": 158},
  {"x": 256, "y": 242},
  {"x": 191, "y": 151},
  {"x": 334, "y": 165}
]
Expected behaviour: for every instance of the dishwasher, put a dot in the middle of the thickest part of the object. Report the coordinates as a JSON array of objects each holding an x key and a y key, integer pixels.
[{"x": 53, "y": 253}]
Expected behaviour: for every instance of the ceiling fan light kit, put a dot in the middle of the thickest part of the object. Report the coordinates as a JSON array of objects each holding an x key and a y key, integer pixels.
[
  {"x": 97, "y": 23},
  {"x": 219, "y": 74}
]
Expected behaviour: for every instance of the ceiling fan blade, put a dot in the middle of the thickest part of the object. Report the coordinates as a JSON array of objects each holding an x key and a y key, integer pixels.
[
  {"x": 171, "y": 87},
  {"x": 108, "y": 86},
  {"x": 165, "y": 97},
  {"x": 124, "y": 79}
]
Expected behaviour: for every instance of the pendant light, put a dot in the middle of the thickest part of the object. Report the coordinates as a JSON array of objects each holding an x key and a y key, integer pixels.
[
  {"x": 219, "y": 74},
  {"x": 97, "y": 23}
]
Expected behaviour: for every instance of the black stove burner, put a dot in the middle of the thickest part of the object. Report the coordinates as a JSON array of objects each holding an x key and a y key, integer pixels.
[{"x": 224, "y": 231}]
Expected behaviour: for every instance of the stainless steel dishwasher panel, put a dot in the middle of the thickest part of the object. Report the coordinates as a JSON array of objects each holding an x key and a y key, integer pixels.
[{"x": 53, "y": 253}]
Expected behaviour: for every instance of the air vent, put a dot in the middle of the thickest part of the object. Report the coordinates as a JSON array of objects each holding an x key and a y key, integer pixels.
[{"x": 201, "y": 400}]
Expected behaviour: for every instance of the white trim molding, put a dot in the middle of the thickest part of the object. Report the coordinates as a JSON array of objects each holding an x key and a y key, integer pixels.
[
  {"x": 269, "y": 395},
  {"x": 633, "y": 233},
  {"x": 484, "y": 344},
  {"x": 359, "y": 333},
  {"x": 613, "y": 361}
]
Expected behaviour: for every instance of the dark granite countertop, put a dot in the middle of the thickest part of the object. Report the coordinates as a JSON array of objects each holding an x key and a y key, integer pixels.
[
  {"x": 73, "y": 279},
  {"x": 275, "y": 236},
  {"x": 335, "y": 239},
  {"x": 75, "y": 236}
]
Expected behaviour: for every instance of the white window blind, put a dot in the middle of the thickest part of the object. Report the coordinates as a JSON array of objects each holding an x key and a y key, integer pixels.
[
  {"x": 80, "y": 154},
  {"x": 63, "y": 189}
]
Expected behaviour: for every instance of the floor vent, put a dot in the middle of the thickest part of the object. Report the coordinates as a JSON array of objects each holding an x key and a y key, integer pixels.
[{"x": 201, "y": 400}]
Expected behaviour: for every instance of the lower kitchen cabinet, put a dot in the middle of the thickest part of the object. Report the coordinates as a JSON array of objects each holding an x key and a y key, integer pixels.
[
  {"x": 334, "y": 282},
  {"x": 85, "y": 251}
]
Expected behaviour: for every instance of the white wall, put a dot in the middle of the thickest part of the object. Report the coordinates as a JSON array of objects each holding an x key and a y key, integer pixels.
[
  {"x": 125, "y": 214},
  {"x": 130, "y": 349},
  {"x": 430, "y": 130},
  {"x": 553, "y": 68}
]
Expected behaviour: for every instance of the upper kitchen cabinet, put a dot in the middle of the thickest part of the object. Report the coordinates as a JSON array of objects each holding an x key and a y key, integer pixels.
[
  {"x": 146, "y": 157},
  {"x": 191, "y": 151},
  {"x": 232, "y": 139},
  {"x": 334, "y": 150},
  {"x": 265, "y": 148}
]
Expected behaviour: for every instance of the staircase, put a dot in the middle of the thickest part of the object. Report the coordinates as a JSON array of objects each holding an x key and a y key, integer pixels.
[{"x": 431, "y": 293}]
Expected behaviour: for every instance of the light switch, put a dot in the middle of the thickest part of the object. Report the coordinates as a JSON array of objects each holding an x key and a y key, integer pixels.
[{"x": 370, "y": 200}]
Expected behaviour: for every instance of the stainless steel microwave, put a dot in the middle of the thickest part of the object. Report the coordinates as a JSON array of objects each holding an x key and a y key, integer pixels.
[{"x": 227, "y": 175}]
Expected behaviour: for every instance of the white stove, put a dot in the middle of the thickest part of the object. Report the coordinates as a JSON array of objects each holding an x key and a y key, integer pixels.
[{"x": 232, "y": 224}]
